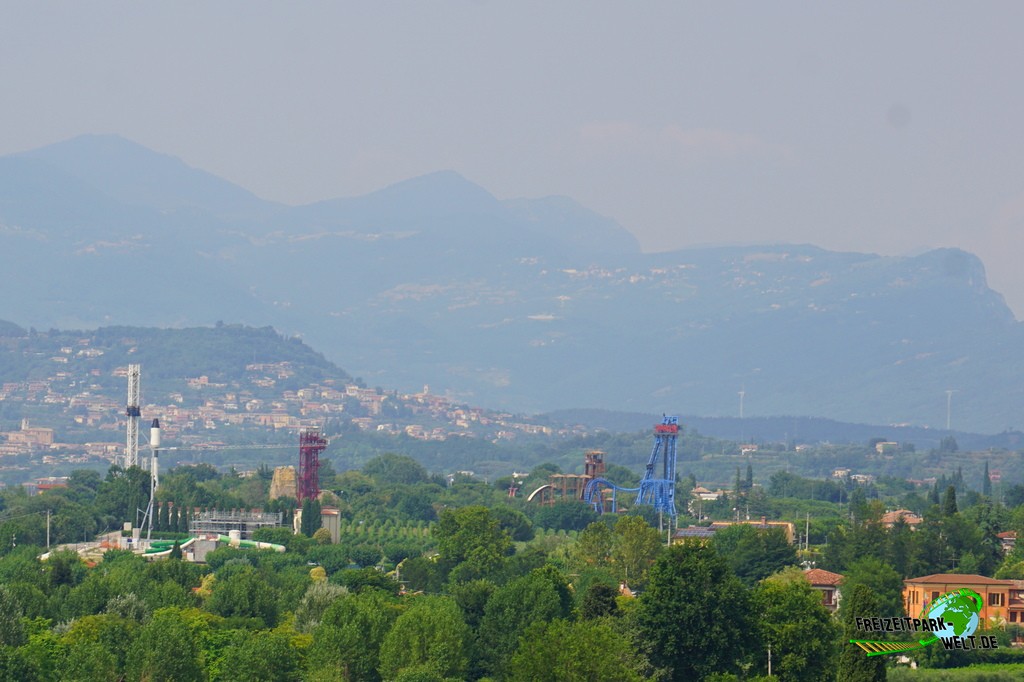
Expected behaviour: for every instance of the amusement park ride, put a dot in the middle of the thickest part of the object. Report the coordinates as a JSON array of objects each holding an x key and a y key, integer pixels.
[
  {"x": 656, "y": 491},
  {"x": 311, "y": 444}
]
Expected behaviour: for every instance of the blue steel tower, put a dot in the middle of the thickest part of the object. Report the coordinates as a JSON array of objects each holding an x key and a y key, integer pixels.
[
  {"x": 660, "y": 492},
  {"x": 658, "y": 487}
]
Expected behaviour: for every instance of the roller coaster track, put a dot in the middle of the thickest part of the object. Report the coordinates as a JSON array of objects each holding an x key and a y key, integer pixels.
[{"x": 657, "y": 491}]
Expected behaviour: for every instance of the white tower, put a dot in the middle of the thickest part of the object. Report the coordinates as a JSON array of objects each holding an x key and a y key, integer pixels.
[
  {"x": 133, "y": 412},
  {"x": 949, "y": 408},
  {"x": 154, "y": 447},
  {"x": 154, "y": 473}
]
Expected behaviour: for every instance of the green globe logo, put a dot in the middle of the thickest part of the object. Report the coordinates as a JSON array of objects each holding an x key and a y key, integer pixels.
[{"x": 959, "y": 611}]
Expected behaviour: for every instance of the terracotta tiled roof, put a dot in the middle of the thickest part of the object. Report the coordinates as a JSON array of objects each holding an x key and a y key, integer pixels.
[
  {"x": 909, "y": 517},
  {"x": 694, "y": 532},
  {"x": 956, "y": 578},
  {"x": 817, "y": 576}
]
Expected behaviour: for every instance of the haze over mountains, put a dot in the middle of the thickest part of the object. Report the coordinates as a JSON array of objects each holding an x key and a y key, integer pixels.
[{"x": 526, "y": 304}]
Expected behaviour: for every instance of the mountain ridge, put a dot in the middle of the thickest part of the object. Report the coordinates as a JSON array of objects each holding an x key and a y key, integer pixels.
[
  {"x": 523, "y": 304},
  {"x": 131, "y": 173}
]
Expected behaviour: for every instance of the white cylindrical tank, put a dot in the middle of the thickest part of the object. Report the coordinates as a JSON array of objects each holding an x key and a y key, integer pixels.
[
  {"x": 154, "y": 434},
  {"x": 235, "y": 536}
]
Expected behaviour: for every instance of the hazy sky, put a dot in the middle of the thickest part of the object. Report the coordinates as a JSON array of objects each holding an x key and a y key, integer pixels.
[{"x": 864, "y": 126}]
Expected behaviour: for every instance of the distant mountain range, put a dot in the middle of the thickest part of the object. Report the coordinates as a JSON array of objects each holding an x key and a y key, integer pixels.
[
  {"x": 792, "y": 431},
  {"x": 527, "y": 304}
]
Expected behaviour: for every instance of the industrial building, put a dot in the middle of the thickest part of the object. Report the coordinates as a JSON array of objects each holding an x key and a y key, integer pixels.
[{"x": 216, "y": 522}]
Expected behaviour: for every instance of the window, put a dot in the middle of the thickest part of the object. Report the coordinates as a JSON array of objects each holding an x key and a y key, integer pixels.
[
  {"x": 1013, "y": 616},
  {"x": 996, "y": 599}
]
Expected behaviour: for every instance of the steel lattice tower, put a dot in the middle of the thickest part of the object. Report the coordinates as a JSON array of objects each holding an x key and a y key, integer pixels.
[
  {"x": 657, "y": 488},
  {"x": 311, "y": 444},
  {"x": 660, "y": 491},
  {"x": 133, "y": 412}
]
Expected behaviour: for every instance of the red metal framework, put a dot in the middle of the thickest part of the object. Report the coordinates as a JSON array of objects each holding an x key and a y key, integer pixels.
[{"x": 311, "y": 444}]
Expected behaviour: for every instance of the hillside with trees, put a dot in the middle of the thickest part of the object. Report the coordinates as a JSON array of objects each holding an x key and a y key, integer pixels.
[{"x": 451, "y": 579}]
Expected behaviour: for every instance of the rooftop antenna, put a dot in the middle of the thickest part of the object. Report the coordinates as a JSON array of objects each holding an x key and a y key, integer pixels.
[{"x": 133, "y": 412}]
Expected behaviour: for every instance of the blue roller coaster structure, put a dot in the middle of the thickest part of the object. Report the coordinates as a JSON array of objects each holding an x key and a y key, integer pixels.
[{"x": 660, "y": 493}]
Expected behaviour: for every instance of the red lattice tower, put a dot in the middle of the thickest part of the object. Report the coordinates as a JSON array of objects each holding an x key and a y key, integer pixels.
[{"x": 311, "y": 444}]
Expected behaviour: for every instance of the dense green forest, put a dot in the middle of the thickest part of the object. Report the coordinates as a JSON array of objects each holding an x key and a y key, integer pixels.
[{"x": 438, "y": 579}]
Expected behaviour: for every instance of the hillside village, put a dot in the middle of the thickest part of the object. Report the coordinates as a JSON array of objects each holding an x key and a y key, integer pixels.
[{"x": 82, "y": 420}]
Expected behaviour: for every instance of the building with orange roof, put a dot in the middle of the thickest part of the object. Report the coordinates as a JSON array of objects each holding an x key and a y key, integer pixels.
[
  {"x": 788, "y": 529},
  {"x": 1007, "y": 540},
  {"x": 1002, "y": 600},
  {"x": 890, "y": 519},
  {"x": 827, "y": 583}
]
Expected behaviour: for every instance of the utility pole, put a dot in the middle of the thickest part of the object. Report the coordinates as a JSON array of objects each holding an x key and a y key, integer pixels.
[
  {"x": 743, "y": 392},
  {"x": 807, "y": 533}
]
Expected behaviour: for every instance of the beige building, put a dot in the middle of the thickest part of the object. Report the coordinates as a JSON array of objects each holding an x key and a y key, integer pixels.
[
  {"x": 1002, "y": 600},
  {"x": 31, "y": 436}
]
